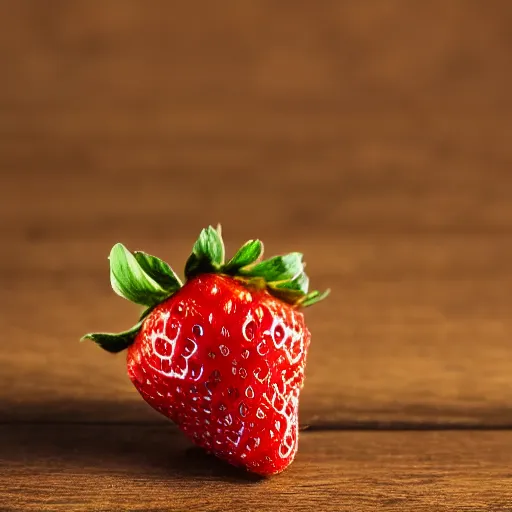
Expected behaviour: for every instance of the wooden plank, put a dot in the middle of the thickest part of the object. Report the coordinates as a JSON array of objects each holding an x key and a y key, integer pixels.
[
  {"x": 414, "y": 333},
  {"x": 385, "y": 159},
  {"x": 63, "y": 467},
  {"x": 344, "y": 122}
]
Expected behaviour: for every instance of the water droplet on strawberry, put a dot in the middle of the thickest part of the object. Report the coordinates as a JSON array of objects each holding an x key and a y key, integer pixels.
[
  {"x": 224, "y": 350},
  {"x": 209, "y": 386},
  {"x": 189, "y": 347},
  {"x": 243, "y": 409},
  {"x": 261, "y": 374},
  {"x": 246, "y": 353},
  {"x": 278, "y": 333},
  {"x": 243, "y": 373},
  {"x": 262, "y": 348},
  {"x": 228, "y": 419},
  {"x": 233, "y": 437},
  {"x": 224, "y": 332},
  {"x": 249, "y": 330},
  {"x": 162, "y": 348},
  {"x": 249, "y": 392},
  {"x": 260, "y": 414},
  {"x": 252, "y": 443},
  {"x": 198, "y": 330},
  {"x": 195, "y": 371}
]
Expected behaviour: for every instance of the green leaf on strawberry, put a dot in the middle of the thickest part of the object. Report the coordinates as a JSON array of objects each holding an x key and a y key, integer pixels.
[
  {"x": 147, "y": 280},
  {"x": 207, "y": 253},
  {"x": 158, "y": 270},
  {"x": 313, "y": 298},
  {"x": 278, "y": 268},
  {"x": 131, "y": 282},
  {"x": 250, "y": 252},
  {"x": 114, "y": 342},
  {"x": 299, "y": 283}
]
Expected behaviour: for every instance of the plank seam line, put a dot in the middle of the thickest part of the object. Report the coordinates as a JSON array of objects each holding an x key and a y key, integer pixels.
[{"x": 363, "y": 426}]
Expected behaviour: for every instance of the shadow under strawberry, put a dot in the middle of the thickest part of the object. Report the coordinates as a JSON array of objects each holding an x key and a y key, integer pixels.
[
  {"x": 200, "y": 462},
  {"x": 150, "y": 451}
]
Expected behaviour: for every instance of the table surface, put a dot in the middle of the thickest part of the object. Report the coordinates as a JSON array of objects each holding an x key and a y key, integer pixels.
[{"x": 375, "y": 138}]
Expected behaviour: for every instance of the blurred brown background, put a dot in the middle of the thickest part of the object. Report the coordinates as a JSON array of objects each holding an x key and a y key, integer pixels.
[{"x": 373, "y": 136}]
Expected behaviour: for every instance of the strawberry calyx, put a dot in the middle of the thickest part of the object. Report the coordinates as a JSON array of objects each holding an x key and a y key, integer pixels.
[
  {"x": 147, "y": 280},
  {"x": 140, "y": 277}
]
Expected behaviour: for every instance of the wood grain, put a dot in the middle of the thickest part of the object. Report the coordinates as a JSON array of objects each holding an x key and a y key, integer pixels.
[
  {"x": 413, "y": 333},
  {"x": 373, "y": 136},
  {"x": 118, "y": 467},
  {"x": 336, "y": 130},
  {"x": 359, "y": 118}
]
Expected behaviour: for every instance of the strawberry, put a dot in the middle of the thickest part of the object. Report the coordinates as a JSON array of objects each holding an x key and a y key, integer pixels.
[{"x": 222, "y": 355}]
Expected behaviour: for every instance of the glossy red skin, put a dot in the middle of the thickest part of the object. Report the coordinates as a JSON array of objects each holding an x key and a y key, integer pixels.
[{"x": 226, "y": 363}]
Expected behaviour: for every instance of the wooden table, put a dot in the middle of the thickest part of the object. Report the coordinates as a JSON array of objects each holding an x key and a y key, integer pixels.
[{"x": 375, "y": 137}]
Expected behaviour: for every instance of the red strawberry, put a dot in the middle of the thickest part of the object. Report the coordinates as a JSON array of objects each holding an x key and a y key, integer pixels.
[{"x": 223, "y": 356}]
